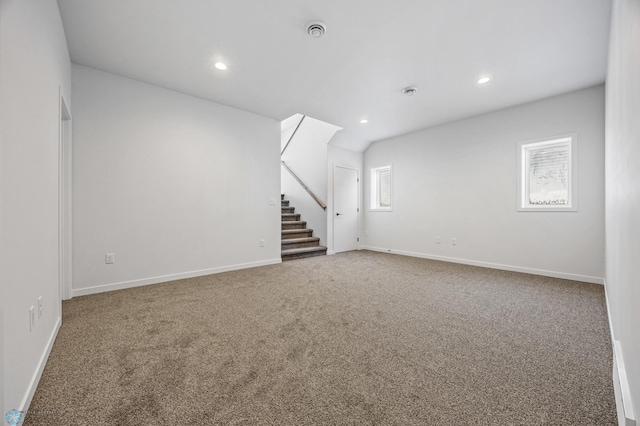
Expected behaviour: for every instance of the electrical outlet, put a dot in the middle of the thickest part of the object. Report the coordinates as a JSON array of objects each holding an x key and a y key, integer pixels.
[
  {"x": 454, "y": 242},
  {"x": 32, "y": 318},
  {"x": 39, "y": 307},
  {"x": 272, "y": 201},
  {"x": 437, "y": 240},
  {"x": 261, "y": 243},
  {"x": 109, "y": 258}
]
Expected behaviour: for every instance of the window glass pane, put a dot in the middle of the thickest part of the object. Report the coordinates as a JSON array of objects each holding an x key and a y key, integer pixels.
[
  {"x": 385, "y": 188},
  {"x": 548, "y": 176}
]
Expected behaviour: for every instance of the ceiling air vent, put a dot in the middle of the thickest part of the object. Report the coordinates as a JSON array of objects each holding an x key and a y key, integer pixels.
[
  {"x": 410, "y": 91},
  {"x": 316, "y": 29}
]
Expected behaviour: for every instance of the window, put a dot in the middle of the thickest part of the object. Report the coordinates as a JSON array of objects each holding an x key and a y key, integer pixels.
[
  {"x": 547, "y": 174},
  {"x": 381, "y": 188}
]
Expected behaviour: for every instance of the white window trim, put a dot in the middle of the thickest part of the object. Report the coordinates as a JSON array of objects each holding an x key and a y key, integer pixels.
[
  {"x": 573, "y": 173},
  {"x": 371, "y": 187}
]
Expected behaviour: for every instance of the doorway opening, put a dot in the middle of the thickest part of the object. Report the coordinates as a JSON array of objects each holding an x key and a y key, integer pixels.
[{"x": 64, "y": 203}]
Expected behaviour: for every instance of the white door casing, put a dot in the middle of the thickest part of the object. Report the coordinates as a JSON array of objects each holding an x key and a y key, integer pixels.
[{"x": 64, "y": 202}]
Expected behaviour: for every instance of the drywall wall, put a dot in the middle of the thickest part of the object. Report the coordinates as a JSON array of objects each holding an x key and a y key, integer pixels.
[
  {"x": 3, "y": 409},
  {"x": 3, "y": 296},
  {"x": 287, "y": 127},
  {"x": 173, "y": 185},
  {"x": 306, "y": 156},
  {"x": 35, "y": 70},
  {"x": 341, "y": 157},
  {"x": 459, "y": 181},
  {"x": 623, "y": 197}
]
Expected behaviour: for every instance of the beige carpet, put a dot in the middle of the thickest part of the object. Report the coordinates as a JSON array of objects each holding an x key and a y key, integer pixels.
[{"x": 357, "y": 338}]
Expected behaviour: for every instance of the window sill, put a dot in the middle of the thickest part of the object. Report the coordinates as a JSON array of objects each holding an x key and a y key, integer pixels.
[{"x": 547, "y": 209}]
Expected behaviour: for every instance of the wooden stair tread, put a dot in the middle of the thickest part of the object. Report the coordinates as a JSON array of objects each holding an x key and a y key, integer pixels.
[
  {"x": 295, "y": 231},
  {"x": 303, "y": 250},
  {"x": 288, "y": 234},
  {"x": 293, "y": 224},
  {"x": 300, "y": 240}
]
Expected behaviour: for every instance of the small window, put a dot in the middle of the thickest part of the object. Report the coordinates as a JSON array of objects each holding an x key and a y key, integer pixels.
[
  {"x": 381, "y": 188},
  {"x": 547, "y": 175}
]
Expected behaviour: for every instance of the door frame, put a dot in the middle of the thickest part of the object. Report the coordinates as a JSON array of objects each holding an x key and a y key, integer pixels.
[
  {"x": 65, "y": 202},
  {"x": 333, "y": 202}
]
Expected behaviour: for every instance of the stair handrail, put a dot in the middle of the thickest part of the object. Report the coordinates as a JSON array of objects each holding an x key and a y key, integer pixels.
[
  {"x": 292, "y": 135},
  {"x": 314, "y": 196}
]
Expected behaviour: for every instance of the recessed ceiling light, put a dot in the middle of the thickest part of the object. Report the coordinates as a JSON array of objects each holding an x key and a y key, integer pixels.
[
  {"x": 221, "y": 66},
  {"x": 364, "y": 121},
  {"x": 484, "y": 80}
]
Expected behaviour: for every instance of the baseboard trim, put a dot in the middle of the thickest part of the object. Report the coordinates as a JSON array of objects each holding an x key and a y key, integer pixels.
[
  {"x": 164, "y": 278},
  {"x": 552, "y": 274},
  {"x": 33, "y": 384},
  {"x": 330, "y": 252},
  {"x": 624, "y": 404}
]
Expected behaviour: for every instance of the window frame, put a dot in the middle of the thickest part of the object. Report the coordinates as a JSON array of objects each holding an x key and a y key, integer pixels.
[
  {"x": 569, "y": 139},
  {"x": 374, "y": 202}
]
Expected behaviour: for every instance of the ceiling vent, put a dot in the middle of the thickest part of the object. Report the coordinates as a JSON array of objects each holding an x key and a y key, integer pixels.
[
  {"x": 316, "y": 29},
  {"x": 410, "y": 91}
]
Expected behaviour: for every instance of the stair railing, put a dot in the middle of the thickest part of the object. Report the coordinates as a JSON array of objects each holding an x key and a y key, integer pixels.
[
  {"x": 310, "y": 192},
  {"x": 292, "y": 135}
]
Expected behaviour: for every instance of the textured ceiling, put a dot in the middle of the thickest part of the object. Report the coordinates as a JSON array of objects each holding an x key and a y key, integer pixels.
[{"x": 372, "y": 49}]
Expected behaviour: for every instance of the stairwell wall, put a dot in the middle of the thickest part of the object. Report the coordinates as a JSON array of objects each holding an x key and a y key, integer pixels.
[
  {"x": 458, "y": 181},
  {"x": 173, "y": 185}
]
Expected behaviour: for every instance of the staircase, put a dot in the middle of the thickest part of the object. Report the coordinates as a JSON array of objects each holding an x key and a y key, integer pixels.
[{"x": 297, "y": 240}]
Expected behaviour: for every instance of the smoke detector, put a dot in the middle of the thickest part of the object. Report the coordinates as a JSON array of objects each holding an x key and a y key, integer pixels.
[
  {"x": 316, "y": 29},
  {"x": 410, "y": 91}
]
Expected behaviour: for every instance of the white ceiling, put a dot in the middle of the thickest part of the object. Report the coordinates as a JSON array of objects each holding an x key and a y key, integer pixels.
[{"x": 372, "y": 50}]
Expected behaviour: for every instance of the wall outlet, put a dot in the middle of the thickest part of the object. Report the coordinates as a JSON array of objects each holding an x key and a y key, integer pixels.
[
  {"x": 272, "y": 201},
  {"x": 261, "y": 243},
  {"x": 109, "y": 258},
  {"x": 39, "y": 307},
  {"x": 437, "y": 240},
  {"x": 32, "y": 318},
  {"x": 454, "y": 242}
]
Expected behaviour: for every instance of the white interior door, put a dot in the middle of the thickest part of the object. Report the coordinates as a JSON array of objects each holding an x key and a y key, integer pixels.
[{"x": 345, "y": 209}]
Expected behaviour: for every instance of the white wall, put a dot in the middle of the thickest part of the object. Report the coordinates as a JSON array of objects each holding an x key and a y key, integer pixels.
[
  {"x": 306, "y": 156},
  {"x": 287, "y": 127},
  {"x": 623, "y": 194},
  {"x": 341, "y": 157},
  {"x": 459, "y": 181},
  {"x": 175, "y": 186},
  {"x": 3, "y": 295},
  {"x": 35, "y": 68}
]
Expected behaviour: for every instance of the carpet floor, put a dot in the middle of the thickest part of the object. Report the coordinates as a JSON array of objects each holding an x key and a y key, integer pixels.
[{"x": 358, "y": 338}]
